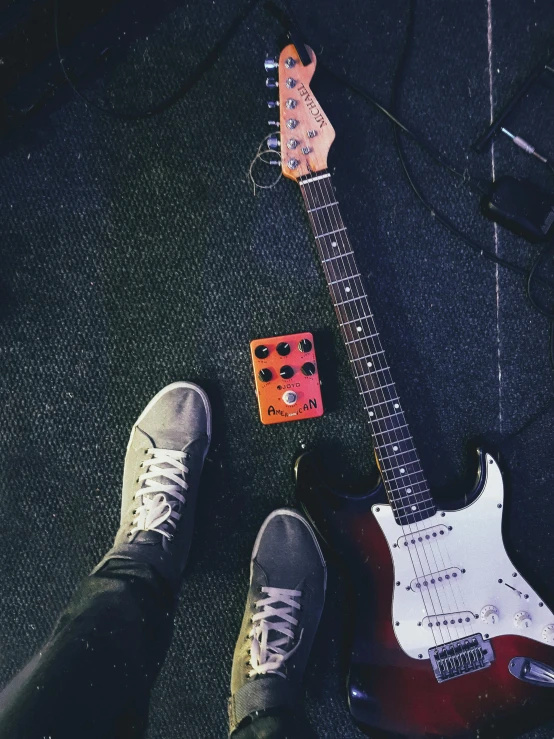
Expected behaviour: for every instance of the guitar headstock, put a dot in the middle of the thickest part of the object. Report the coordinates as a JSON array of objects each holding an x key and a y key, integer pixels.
[{"x": 306, "y": 134}]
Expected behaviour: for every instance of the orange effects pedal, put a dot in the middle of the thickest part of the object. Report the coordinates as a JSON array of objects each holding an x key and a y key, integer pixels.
[{"x": 287, "y": 380}]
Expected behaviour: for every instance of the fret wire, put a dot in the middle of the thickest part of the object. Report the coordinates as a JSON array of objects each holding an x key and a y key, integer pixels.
[{"x": 319, "y": 213}]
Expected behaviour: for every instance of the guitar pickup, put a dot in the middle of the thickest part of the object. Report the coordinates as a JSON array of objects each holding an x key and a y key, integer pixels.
[
  {"x": 436, "y": 579},
  {"x": 427, "y": 536},
  {"x": 437, "y": 621}
]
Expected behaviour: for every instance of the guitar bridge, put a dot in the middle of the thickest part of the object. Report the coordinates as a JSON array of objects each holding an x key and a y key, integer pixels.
[{"x": 461, "y": 657}]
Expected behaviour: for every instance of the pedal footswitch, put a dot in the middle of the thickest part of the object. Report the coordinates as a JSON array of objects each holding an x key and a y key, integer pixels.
[{"x": 286, "y": 376}]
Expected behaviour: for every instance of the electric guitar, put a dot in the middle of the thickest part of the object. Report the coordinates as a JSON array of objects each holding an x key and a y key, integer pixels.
[{"x": 450, "y": 640}]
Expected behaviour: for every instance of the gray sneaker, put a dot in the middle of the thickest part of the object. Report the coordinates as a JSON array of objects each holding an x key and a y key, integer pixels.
[
  {"x": 163, "y": 463},
  {"x": 287, "y": 590}
]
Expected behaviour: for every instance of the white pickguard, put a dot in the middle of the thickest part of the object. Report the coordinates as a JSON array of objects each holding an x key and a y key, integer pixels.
[{"x": 471, "y": 552}]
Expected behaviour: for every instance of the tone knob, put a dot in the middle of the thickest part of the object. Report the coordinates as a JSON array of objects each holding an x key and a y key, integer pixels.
[
  {"x": 308, "y": 369},
  {"x": 261, "y": 351},
  {"x": 304, "y": 345},
  {"x": 271, "y": 82},
  {"x": 290, "y": 62},
  {"x": 548, "y": 634},
  {"x": 292, "y": 143},
  {"x": 292, "y": 123},
  {"x": 489, "y": 615},
  {"x": 293, "y": 163},
  {"x": 270, "y": 63},
  {"x": 291, "y": 104},
  {"x": 290, "y": 397},
  {"x": 286, "y": 372},
  {"x": 273, "y": 143},
  {"x": 522, "y": 620},
  {"x": 290, "y": 83},
  {"x": 283, "y": 348},
  {"x": 265, "y": 375}
]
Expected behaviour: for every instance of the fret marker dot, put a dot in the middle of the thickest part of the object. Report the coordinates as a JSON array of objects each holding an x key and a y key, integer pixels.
[
  {"x": 371, "y": 413},
  {"x": 395, "y": 449},
  {"x": 396, "y": 405},
  {"x": 334, "y": 243},
  {"x": 414, "y": 508},
  {"x": 359, "y": 328},
  {"x": 347, "y": 289},
  {"x": 370, "y": 364},
  {"x": 408, "y": 490},
  {"x": 402, "y": 470}
]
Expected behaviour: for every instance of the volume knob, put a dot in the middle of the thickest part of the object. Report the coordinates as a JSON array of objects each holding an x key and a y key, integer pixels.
[
  {"x": 265, "y": 374},
  {"x": 304, "y": 345},
  {"x": 523, "y": 620},
  {"x": 261, "y": 351},
  {"x": 283, "y": 348},
  {"x": 489, "y": 615},
  {"x": 548, "y": 634}
]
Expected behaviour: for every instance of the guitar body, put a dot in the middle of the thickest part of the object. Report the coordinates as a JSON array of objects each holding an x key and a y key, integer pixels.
[{"x": 394, "y": 688}]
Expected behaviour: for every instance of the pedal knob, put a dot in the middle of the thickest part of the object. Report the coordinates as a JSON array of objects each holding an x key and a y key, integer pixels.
[
  {"x": 265, "y": 375},
  {"x": 261, "y": 351},
  {"x": 283, "y": 348},
  {"x": 286, "y": 372},
  {"x": 290, "y": 397},
  {"x": 548, "y": 634},
  {"x": 308, "y": 369},
  {"x": 522, "y": 620},
  {"x": 304, "y": 345},
  {"x": 489, "y": 615}
]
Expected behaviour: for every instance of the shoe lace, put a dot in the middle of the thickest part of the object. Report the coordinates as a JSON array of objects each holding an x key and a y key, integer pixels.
[
  {"x": 268, "y": 656},
  {"x": 155, "y": 509}
]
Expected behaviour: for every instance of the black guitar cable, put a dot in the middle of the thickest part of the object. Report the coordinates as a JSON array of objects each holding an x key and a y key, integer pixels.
[
  {"x": 475, "y": 184},
  {"x": 548, "y": 249}
]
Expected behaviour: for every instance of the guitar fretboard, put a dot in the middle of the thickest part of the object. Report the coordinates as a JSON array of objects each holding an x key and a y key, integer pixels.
[{"x": 399, "y": 463}]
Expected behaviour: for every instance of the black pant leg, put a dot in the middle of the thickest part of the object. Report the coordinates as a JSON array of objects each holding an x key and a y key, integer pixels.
[
  {"x": 282, "y": 724},
  {"x": 93, "y": 677}
]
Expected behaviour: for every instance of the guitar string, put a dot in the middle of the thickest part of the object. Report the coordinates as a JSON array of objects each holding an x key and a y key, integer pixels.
[
  {"x": 329, "y": 268},
  {"x": 455, "y": 607}
]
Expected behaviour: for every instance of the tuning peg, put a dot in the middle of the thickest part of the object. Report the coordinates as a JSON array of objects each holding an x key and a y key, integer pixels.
[
  {"x": 275, "y": 124},
  {"x": 271, "y": 82},
  {"x": 270, "y": 63},
  {"x": 273, "y": 143},
  {"x": 273, "y": 104}
]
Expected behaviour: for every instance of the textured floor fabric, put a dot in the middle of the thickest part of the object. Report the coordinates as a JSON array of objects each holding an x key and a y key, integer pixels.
[{"x": 135, "y": 254}]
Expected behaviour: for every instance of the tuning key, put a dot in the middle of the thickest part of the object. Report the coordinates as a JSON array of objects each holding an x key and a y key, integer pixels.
[
  {"x": 273, "y": 143},
  {"x": 290, "y": 83},
  {"x": 275, "y": 124},
  {"x": 290, "y": 62},
  {"x": 292, "y": 143},
  {"x": 272, "y": 103},
  {"x": 270, "y": 63},
  {"x": 293, "y": 163},
  {"x": 271, "y": 82},
  {"x": 292, "y": 123}
]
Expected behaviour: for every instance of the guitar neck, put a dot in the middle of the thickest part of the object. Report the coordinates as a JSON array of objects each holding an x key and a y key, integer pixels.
[{"x": 399, "y": 463}]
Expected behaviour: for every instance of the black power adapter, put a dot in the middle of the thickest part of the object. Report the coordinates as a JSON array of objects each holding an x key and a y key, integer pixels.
[{"x": 521, "y": 207}]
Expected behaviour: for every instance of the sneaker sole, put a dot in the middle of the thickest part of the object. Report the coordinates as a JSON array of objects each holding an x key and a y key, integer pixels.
[
  {"x": 188, "y": 386},
  {"x": 294, "y": 514}
]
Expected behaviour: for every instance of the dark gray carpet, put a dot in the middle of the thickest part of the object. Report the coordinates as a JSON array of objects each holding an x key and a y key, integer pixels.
[{"x": 135, "y": 254}]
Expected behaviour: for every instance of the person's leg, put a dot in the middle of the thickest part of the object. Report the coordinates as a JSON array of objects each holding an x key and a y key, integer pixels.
[
  {"x": 285, "y": 600},
  {"x": 93, "y": 677}
]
